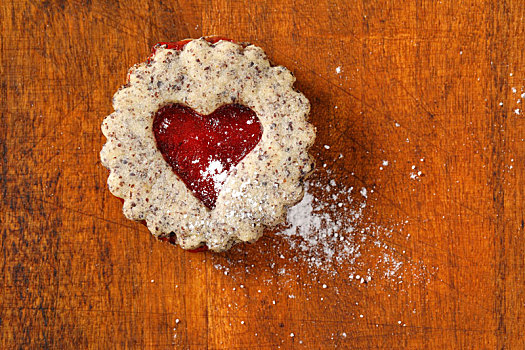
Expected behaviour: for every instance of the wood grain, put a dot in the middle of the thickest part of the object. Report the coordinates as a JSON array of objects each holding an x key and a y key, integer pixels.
[{"x": 419, "y": 80}]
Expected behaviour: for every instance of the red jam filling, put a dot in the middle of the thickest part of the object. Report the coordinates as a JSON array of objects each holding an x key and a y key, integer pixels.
[{"x": 201, "y": 149}]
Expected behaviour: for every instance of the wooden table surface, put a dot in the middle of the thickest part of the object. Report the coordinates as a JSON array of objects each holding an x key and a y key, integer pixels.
[{"x": 432, "y": 87}]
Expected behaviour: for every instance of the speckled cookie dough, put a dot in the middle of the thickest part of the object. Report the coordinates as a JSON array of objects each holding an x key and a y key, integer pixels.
[{"x": 205, "y": 76}]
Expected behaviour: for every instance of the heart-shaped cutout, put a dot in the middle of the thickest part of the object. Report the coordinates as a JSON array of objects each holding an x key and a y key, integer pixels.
[{"x": 201, "y": 149}]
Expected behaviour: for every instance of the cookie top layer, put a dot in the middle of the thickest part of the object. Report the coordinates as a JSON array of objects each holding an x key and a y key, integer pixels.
[{"x": 204, "y": 76}]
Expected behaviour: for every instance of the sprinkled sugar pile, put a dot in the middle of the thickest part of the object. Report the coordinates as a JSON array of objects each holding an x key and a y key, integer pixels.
[
  {"x": 216, "y": 172},
  {"x": 330, "y": 228},
  {"x": 330, "y": 232},
  {"x": 315, "y": 225}
]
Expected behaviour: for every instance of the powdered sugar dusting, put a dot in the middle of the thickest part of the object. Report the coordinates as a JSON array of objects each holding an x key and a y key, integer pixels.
[
  {"x": 331, "y": 233},
  {"x": 317, "y": 232},
  {"x": 329, "y": 229},
  {"x": 217, "y": 173}
]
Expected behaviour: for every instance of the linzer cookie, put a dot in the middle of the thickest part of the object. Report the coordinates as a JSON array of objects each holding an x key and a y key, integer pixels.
[{"x": 208, "y": 143}]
